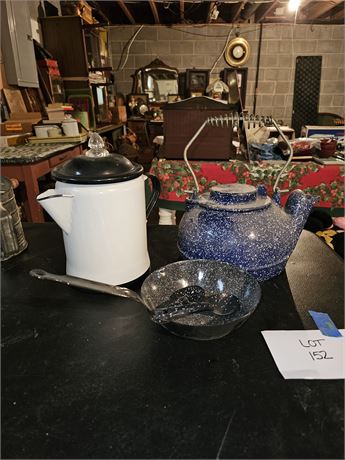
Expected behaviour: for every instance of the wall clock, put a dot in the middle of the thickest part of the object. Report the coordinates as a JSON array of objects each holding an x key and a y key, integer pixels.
[{"x": 237, "y": 52}]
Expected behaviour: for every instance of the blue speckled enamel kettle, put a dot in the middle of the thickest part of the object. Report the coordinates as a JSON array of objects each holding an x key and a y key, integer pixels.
[{"x": 241, "y": 225}]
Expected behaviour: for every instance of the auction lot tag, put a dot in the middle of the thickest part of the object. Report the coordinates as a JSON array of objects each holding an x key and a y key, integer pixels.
[{"x": 307, "y": 354}]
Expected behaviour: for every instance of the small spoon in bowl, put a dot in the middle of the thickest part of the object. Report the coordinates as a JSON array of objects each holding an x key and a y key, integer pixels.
[{"x": 178, "y": 306}]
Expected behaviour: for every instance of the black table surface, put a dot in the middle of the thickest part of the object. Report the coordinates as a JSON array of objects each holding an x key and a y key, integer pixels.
[{"x": 86, "y": 375}]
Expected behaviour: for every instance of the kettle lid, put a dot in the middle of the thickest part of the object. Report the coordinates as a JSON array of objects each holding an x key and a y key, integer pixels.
[
  {"x": 97, "y": 170},
  {"x": 235, "y": 197}
]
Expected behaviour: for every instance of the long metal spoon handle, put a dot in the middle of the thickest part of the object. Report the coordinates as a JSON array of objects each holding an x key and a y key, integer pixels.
[{"x": 86, "y": 284}]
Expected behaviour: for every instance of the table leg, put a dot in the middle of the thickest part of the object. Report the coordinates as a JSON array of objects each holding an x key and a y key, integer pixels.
[
  {"x": 33, "y": 210},
  {"x": 167, "y": 216}
]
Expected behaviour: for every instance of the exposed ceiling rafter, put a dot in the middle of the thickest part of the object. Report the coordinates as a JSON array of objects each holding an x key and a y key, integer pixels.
[
  {"x": 154, "y": 11},
  {"x": 126, "y": 11},
  {"x": 211, "y": 7},
  {"x": 339, "y": 16},
  {"x": 198, "y": 12},
  {"x": 265, "y": 10},
  {"x": 333, "y": 12},
  {"x": 317, "y": 10},
  {"x": 182, "y": 11},
  {"x": 301, "y": 13},
  {"x": 237, "y": 11}
]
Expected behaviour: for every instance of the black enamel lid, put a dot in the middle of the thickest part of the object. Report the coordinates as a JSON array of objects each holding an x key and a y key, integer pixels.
[{"x": 97, "y": 170}]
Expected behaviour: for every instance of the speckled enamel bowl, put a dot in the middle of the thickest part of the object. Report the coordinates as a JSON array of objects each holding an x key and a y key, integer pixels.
[{"x": 215, "y": 277}]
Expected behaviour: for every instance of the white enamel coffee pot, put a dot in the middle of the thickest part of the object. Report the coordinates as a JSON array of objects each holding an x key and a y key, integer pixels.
[{"x": 99, "y": 203}]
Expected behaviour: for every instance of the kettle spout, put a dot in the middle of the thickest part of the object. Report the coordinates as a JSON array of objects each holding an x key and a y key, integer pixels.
[
  {"x": 59, "y": 207},
  {"x": 299, "y": 205}
]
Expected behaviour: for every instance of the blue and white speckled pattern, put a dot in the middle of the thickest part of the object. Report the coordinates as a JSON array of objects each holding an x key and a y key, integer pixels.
[
  {"x": 215, "y": 277},
  {"x": 237, "y": 193},
  {"x": 256, "y": 235}
]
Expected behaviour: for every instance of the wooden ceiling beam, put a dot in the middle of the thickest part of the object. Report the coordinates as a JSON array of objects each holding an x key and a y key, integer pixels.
[
  {"x": 154, "y": 11},
  {"x": 265, "y": 11},
  {"x": 333, "y": 12},
  {"x": 320, "y": 9},
  {"x": 237, "y": 11},
  {"x": 340, "y": 16},
  {"x": 303, "y": 9},
  {"x": 182, "y": 10},
  {"x": 210, "y": 10},
  {"x": 128, "y": 14},
  {"x": 304, "y": 4}
]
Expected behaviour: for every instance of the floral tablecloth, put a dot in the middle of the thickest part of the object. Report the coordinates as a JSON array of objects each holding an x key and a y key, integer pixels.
[{"x": 325, "y": 181}]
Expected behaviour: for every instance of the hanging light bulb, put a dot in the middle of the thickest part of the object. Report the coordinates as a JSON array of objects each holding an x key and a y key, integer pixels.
[{"x": 293, "y": 5}]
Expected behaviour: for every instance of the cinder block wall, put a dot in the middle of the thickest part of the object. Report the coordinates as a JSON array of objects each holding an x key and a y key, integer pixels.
[{"x": 200, "y": 46}]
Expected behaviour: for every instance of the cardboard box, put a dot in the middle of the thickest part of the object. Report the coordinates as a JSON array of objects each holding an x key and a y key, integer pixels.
[{"x": 20, "y": 123}]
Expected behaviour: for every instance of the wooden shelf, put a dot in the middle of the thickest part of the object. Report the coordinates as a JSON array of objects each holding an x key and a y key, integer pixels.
[
  {"x": 102, "y": 84},
  {"x": 94, "y": 69}
]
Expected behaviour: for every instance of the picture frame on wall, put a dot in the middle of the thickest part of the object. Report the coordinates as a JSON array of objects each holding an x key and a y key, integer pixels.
[
  {"x": 236, "y": 79},
  {"x": 196, "y": 82}
]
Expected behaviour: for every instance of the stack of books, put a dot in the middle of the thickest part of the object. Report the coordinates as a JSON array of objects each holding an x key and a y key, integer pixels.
[{"x": 56, "y": 112}]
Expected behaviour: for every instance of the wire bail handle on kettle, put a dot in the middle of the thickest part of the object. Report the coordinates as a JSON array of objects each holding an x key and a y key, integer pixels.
[{"x": 235, "y": 118}]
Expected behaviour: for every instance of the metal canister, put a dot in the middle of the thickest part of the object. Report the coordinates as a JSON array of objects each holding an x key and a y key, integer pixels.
[{"x": 12, "y": 235}]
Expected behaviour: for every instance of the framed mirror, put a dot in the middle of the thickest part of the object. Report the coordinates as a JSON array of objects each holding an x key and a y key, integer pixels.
[{"x": 157, "y": 80}]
